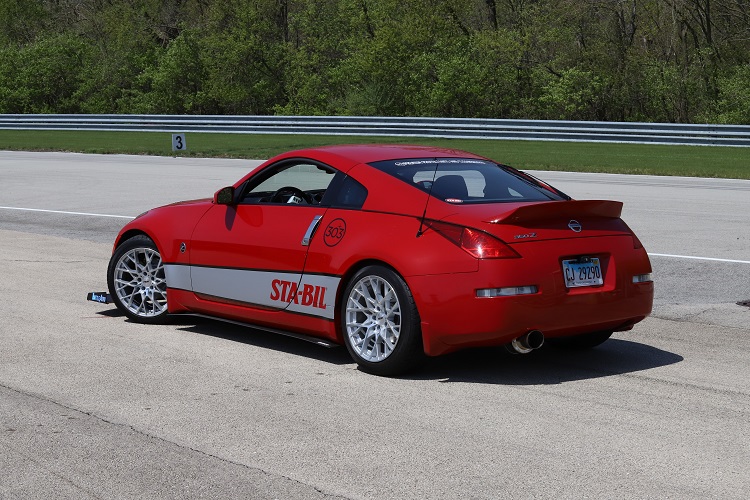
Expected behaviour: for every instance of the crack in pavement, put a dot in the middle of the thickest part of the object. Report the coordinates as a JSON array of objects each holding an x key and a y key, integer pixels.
[{"x": 40, "y": 397}]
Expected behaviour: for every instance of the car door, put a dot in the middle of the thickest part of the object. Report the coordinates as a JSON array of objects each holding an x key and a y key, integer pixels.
[{"x": 251, "y": 254}]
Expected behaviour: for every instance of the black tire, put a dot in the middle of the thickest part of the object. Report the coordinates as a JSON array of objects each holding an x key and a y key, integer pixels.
[
  {"x": 581, "y": 342},
  {"x": 380, "y": 322},
  {"x": 136, "y": 281}
]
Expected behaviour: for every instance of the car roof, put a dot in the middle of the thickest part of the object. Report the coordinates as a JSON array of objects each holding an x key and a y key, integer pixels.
[{"x": 369, "y": 153}]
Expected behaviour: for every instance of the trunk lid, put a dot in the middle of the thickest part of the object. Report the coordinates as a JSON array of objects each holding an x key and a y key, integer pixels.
[{"x": 528, "y": 222}]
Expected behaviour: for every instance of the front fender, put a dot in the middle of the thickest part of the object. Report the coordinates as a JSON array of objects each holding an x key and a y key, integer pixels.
[{"x": 169, "y": 227}]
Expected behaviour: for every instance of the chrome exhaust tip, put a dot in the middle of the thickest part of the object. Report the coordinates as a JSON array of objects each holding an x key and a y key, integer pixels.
[{"x": 527, "y": 343}]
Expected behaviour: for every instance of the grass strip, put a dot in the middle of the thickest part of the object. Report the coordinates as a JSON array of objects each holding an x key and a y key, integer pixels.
[{"x": 688, "y": 161}]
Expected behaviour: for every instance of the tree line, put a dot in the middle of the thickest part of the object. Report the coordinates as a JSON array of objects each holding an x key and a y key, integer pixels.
[{"x": 685, "y": 61}]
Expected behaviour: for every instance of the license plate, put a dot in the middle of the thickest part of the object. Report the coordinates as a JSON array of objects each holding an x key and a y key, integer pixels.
[{"x": 582, "y": 272}]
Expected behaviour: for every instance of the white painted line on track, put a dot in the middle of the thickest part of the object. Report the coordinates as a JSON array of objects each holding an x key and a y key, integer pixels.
[
  {"x": 698, "y": 258},
  {"x": 129, "y": 217},
  {"x": 66, "y": 213}
]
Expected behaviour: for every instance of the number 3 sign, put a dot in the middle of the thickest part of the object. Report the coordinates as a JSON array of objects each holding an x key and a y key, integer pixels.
[{"x": 178, "y": 142}]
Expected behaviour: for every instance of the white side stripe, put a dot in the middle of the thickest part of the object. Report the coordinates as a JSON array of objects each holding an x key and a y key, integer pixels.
[
  {"x": 178, "y": 276},
  {"x": 253, "y": 287}
]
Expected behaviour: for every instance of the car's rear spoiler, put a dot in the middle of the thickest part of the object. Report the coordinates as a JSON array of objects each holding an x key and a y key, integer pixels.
[{"x": 529, "y": 214}]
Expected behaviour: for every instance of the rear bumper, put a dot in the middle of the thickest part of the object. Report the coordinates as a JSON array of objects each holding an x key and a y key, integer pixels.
[{"x": 454, "y": 317}]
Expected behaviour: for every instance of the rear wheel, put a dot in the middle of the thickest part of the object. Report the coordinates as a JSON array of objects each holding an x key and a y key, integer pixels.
[
  {"x": 380, "y": 322},
  {"x": 136, "y": 280}
]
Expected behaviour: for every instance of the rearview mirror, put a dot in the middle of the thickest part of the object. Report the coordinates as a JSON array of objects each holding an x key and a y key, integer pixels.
[{"x": 224, "y": 196}]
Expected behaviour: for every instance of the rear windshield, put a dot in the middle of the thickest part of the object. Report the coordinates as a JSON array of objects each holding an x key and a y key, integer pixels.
[{"x": 468, "y": 180}]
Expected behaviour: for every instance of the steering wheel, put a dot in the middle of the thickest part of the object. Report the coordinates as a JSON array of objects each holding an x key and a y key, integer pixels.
[{"x": 292, "y": 191}]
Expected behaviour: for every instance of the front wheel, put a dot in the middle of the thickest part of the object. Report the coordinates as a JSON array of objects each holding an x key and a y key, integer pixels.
[
  {"x": 380, "y": 322},
  {"x": 136, "y": 280}
]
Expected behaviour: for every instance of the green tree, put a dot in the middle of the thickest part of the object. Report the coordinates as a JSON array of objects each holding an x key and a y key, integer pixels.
[
  {"x": 42, "y": 77},
  {"x": 645, "y": 60}
]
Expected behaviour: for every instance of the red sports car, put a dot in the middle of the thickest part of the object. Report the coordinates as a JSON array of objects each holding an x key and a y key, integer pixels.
[{"x": 393, "y": 251}]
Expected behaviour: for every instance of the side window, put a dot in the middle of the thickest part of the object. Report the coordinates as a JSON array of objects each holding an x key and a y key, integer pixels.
[
  {"x": 295, "y": 182},
  {"x": 345, "y": 192}
]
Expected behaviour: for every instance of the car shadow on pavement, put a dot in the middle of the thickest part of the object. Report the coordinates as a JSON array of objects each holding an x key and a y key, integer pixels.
[
  {"x": 111, "y": 313},
  {"x": 261, "y": 338},
  {"x": 490, "y": 365},
  {"x": 547, "y": 366},
  {"x": 495, "y": 365}
]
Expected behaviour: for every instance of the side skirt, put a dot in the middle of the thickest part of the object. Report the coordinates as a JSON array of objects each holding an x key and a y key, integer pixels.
[{"x": 286, "y": 333}]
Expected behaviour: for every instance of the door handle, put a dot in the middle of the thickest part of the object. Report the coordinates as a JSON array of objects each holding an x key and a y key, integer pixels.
[{"x": 311, "y": 230}]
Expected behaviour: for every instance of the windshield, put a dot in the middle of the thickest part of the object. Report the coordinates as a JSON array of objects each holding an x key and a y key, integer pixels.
[{"x": 468, "y": 180}]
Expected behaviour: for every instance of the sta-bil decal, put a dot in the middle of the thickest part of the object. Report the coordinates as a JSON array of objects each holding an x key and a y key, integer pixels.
[
  {"x": 306, "y": 295},
  {"x": 334, "y": 232},
  {"x": 309, "y": 294}
]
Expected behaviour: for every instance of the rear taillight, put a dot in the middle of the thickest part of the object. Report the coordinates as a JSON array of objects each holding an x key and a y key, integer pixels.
[{"x": 475, "y": 242}]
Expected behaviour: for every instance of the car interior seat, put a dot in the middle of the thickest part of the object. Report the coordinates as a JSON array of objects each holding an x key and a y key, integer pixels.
[{"x": 450, "y": 186}]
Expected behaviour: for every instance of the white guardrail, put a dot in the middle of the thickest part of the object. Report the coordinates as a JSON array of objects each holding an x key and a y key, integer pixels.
[{"x": 468, "y": 128}]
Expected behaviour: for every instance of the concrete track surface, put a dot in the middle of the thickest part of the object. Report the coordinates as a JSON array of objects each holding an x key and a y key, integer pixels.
[{"x": 95, "y": 406}]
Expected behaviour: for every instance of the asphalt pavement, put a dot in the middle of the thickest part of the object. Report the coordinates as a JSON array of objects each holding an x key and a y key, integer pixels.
[{"x": 95, "y": 406}]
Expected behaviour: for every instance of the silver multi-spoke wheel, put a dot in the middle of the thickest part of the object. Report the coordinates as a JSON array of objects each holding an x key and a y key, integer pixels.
[
  {"x": 380, "y": 323},
  {"x": 138, "y": 282},
  {"x": 373, "y": 318}
]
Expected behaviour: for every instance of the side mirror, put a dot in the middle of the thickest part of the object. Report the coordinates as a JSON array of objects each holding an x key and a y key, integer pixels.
[{"x": 224, "y": 196}]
